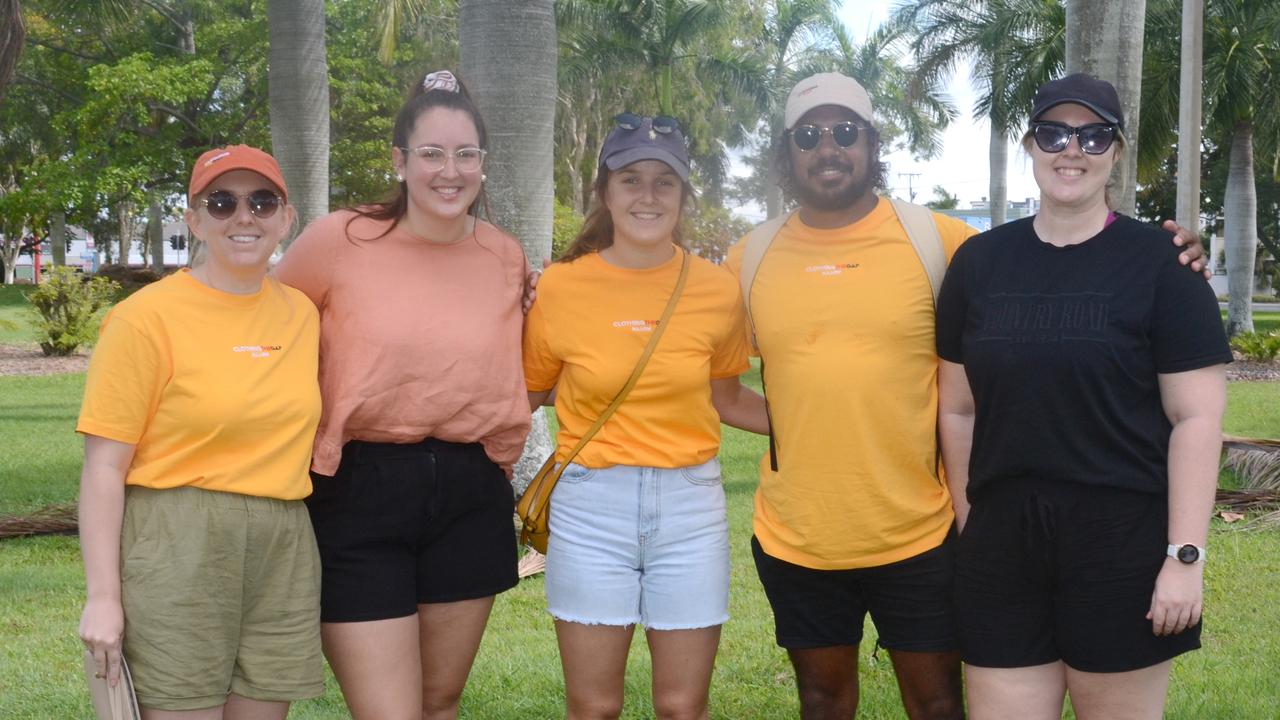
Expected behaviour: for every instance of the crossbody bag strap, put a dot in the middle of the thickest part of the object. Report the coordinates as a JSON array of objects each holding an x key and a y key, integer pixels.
[{"x": 639, "y": 369}]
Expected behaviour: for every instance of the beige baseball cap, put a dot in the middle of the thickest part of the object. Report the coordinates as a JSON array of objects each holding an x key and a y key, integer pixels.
[{"x": 828, "y": 88}]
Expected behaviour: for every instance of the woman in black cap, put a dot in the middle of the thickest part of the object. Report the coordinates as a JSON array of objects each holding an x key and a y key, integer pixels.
[
  {"x": 638, "y": 526},
  {"x": 1081, "y": 398}
]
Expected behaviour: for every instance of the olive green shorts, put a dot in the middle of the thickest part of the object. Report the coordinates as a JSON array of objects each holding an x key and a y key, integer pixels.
[{"x": 221, "y": 594}]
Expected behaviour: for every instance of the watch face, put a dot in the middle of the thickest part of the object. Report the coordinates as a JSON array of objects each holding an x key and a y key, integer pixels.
[{"x": 1188, "y": 553}]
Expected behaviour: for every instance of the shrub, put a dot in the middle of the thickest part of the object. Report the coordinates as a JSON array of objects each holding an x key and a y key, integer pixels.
[
  {"x": 130, "y": 278},
  {"x": 565, "y": 226},
  {"x": 68, "y": 304},
  {"x": 1262, "y": 347}
]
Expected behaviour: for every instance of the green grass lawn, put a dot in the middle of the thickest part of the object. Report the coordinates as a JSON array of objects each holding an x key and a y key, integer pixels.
[
  {"x": 517, "y": 674},
  {"x": 15, "y": 314}
]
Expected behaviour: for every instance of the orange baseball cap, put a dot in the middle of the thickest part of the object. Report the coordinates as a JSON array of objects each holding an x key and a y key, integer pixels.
[{"x": 219, "y": 161}]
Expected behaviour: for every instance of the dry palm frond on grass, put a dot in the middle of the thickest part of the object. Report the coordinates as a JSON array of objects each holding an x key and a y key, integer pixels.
[
  {"x": 1257, "y": 462},
  {"x": 50, "y": 520}
]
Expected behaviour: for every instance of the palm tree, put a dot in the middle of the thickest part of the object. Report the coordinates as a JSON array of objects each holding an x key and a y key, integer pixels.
[
  {"x": 1014, "y": 46},
  {"x": 508, "y": 60},
  {"x": 1190, "y": 113},
  {"x": 793, "y": 31},
  {"x": 1242, "y": 99},
  {"x": 12, "y": 35},
  {"x": 663, "y": 44},
  {"x": 298, "y": 92},
  {"x": 1104, "y": 38}
]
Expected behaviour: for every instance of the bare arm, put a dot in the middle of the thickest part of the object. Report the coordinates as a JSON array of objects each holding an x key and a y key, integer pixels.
[
  {"x": 739, "y": 406},
  {"x": 101, "y": 514},
  {"x": 538, "y": 398},
  {"x": 955, "y": 429},
  {"x": 1194, "y": 402}
]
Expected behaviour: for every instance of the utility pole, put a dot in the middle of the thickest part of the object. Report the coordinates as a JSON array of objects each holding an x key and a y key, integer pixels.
[{"x": 910, "y": 183}]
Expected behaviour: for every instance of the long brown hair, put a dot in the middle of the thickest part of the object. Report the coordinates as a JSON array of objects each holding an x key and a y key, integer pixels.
[
  {"x": 396, "y": 205},
  {"x": 597, "y": 229}
]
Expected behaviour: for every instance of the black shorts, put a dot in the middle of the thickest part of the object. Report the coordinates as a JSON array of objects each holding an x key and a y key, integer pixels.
[
  {"x": 1063, "y": 571},
  {"x": 400, "y": 525},
  {"x": 910, "y": 602}
]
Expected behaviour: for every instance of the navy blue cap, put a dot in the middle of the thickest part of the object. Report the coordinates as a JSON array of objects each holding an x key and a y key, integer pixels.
[
  {"x": 624, "y": 147},
  {"x": 1083, "y": 89}
]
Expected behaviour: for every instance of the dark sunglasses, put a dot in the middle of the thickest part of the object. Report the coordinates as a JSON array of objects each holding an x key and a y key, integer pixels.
[
  {"x": 222, "y": 204},
  {"x": 661, "y": 123},
  {"x": 1053, "y": 137},
  {"x": 807, "y": 137}
]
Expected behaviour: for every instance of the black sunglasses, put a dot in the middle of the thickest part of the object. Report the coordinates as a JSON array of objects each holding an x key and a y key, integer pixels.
[
  {"x": 661, "y": 123},
  {"x": 222, "y": 204},
  {"x": 1053, "y": 137},
  {"x": 807, "y": 137}
]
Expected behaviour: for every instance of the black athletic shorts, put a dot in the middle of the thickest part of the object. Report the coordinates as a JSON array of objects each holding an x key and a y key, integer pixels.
[
  {"x": 1064, "y": 571},
  {"x": 400, "y": 525},
  {"x": 910, "y": 602}
]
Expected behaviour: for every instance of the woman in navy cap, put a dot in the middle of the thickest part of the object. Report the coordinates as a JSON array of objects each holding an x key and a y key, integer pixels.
[
  {"x": 638, "y": 526},
  {"x": 1081, "y": 398}
]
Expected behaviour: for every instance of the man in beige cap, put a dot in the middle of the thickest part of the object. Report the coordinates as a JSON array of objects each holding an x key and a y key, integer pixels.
[{"x": 851, "y": 515}]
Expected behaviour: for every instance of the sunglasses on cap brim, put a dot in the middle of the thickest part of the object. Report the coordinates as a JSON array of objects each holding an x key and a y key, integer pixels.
[
  {"x": 1054, "y": 137},
  {"x": 662, "y": 124},
  {"x": 222, "y": 204}
]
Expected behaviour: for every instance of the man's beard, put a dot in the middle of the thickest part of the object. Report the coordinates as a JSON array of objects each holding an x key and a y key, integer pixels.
[{"x": 815, "y": 197}]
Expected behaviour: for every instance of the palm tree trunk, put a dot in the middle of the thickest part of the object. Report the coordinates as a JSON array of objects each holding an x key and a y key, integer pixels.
[
  {"x": 508, "y": 60},
  {"x": 155, "y": 236},
  {"x": 1240, "y": 228},
  {"x": 773, "y": 202},
  {"x": 13, "y": 33},
  {"x": 1190, "y": 104},
  {"x": 1104, "y": 38},
  {"x": 999, "y": 161},
  {"x": 298, "y": 91}
]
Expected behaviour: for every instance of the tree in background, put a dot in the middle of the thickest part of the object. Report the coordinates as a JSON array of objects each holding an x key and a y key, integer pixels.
[
  {"x": 516, "y": 91},
  {"x": 1105, "y": 39},
  {"x": 1242, "y": 114},
  {"x": 1012, "y": 46},
  {"x": 943, "y": 200},
  {"x": 298, "y": 90}
]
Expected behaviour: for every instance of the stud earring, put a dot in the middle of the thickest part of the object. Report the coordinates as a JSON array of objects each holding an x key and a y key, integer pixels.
[
  {"x": 399, "y": 177},
  {"x": 483, "y": 177}
]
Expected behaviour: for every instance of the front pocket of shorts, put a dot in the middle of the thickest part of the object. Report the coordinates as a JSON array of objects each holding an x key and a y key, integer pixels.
[
  {"x": 708, "y": 473},
  {"x": 576, "y": 474}
]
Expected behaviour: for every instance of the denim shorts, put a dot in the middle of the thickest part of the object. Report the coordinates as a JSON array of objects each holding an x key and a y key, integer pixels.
[{"x": 639, "y": 545}]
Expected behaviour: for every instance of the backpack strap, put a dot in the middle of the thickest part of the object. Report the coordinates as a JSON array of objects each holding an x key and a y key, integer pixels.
[
  {"x": 923, "y": 233},
  {"x": 758, "y": 242}
]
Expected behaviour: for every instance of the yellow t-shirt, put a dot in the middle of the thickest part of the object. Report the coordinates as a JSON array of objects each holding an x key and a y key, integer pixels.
[
  {"x": 217, "y": 391},
  {"x": 845, "y": 324},
  {"x": 588, "y": 328}
]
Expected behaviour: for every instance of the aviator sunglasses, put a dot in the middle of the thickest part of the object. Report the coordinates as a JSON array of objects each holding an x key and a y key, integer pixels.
[
  {"x": 807, "y": 137},
  {"x": 1053, "y": 137},
  {"x": 662, "y": 124},
  {"x": 222, "y": 204}
]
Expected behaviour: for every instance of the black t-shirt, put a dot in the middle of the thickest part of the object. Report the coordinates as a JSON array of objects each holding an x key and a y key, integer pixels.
[{"x": 1062, "y": 346}]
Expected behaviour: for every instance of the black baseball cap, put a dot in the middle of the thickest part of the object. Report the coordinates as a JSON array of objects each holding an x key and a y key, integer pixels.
[
  {"x": 1083, "y": 89},
  {"x": 627, "y": 145}
]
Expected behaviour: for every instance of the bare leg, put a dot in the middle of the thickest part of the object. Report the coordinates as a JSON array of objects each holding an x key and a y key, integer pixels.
[
  {"x": 449, "y": 634},
  {"x": 930, "y": 684},
  {"x": 827, "y": 679},
  {"x": 205, "y": 714},
  {"x": 683, "y": 661},
  {"x": 237, "y": 707},
  {"x": 1133, "y": 695},
  {"x": 1026, "y": 693},
  {"x": 595, "y": 665},
  {"x": 378, "y": 666}
]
